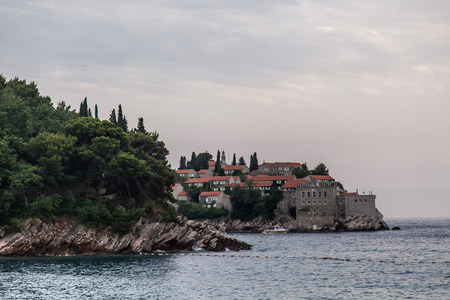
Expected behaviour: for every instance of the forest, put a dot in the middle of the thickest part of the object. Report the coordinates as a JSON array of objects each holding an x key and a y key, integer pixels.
[{"x": 57, "y": 162}]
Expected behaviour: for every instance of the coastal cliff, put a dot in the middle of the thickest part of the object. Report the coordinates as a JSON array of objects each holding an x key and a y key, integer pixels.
[{"x": 67, "y": 237}]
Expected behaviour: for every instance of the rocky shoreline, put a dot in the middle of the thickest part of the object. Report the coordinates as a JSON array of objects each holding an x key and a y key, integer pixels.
[{"x": 67, "y": 237}]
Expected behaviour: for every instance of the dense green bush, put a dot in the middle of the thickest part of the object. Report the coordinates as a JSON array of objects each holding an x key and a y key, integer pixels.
[{"x": 195, "y": 211}]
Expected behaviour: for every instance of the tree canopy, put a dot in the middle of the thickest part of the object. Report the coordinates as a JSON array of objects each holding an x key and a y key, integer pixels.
[{"x": 55, "y": 161}]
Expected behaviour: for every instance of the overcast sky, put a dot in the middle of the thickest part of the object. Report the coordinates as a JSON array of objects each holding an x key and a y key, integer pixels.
[{"x": 362, "y": 86}]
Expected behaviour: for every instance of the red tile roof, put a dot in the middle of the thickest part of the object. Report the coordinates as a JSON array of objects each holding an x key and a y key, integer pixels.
[
  {"x": 211, "y": 163},
  {"x": 184, "y": 171},
  {"x": 198, "y": 180},
  {"x": 272, "y": 178},
  {"x": 293, "y": 183},
  {"x": 322, "y": 177},
  {"x": 183, "y": 193},
  {"x": 210, "y": 193},
  {"x": 202, "y": 171},
  {"x": 229, "y": 168}
]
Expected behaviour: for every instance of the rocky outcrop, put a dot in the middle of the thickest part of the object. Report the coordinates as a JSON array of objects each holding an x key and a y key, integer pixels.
[
  {"x": 226, "y": 224},
  {"x": 364, "y": 222},
  {"x": 67, "y": 237}
]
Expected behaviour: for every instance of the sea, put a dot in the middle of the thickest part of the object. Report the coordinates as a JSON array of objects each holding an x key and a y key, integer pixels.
[{"x": 410, "y": 263}]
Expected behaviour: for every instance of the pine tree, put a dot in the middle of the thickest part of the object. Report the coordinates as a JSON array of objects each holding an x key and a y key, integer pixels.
[
  {"x": 89, "y": 113},
  {"x": 234, "y": 160},
  {"x": 241, "y": 161},
  {"x": 140, "y": 126},
  {"x": 121, "y": 119},
  {"x": 112, "y": 117}
]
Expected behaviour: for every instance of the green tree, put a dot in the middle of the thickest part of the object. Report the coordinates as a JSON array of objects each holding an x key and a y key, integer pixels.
[
  {"x": 84, "y": 108},
  {"x": 182, "y": 163},
  {"x": 96, "y": 111},
  {"x": 241, "y": 161},
  {"x": 122, "y": 120},
  {"x": 302, "y": 171},
  {"x": 202, "y": 160},
  {"x": 112, "y": 117},
  {"x": 320, "y": 169},
  {"x": 217, "y": 165},
  {"x": 140, "y": 126},
  {"x": 52, "y": 152},
  {"x": 233, "y": 163},
  {"x": 253, "y": 162}
]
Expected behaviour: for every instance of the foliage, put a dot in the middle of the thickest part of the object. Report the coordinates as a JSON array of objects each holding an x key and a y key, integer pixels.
[
  {"x": 182, "y": 163},
  {"x": 241, "y": 161},
  {"x": 302, "y": 171},
  {"x": 320, "y": 169},
  {"x": 233, "y": 163},
  {"x": 253, "y": 162},
  {"x": 194, "y": 211},
  {"x": 56, "y": 162}
]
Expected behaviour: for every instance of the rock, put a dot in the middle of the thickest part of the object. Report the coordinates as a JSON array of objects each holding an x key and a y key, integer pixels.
[
  {"x": 67, "y": 237},
  {"x": 364, "y": 222},
  {"x": 395, "y": 228}
]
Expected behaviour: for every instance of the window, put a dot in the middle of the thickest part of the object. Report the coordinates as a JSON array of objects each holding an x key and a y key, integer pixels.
[
  {"x": 216, "y": 189},
  {"x": 309, "y": 202},
  {"x": 293, "y": 194},
  {"x": 319, "y": 202},
  {"x": 365, "y": 200},
  {"x": 324, "y": 193},
  {"x": 309, "y": 194},
  {"x": 360, "y": 200},
  {"x": 309, "y": 212},
  {"x": 356, "y": 200},
  {"x": 208, "y": 200},
  {"x": 303, "y": 202},
  {"x": 314, "y": 194},
  {"x": 320, "y": 194},
  {"x": 324, "y": 202},
  {"x": 222, "y": 189},
  {"x": 214, "y": 198},
  {"x": 278, "y": 181},
  {"x": 314, "y": 211},
  {"x": 303, "y": 194},
  {"x": 314, "y": 202},
  {"x": 320, "y": 211}
]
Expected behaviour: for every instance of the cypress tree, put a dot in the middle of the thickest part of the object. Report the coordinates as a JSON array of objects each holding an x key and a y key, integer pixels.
[
  {"x": 112, "y": 117},
  {"x": 217, "y": 165},
  {"x": 253, "y": 162},
  {"x": 241, "y": 161},
  {"x": 122, "y": 120},
  {"x": 96, "y": 111},
  {"x": 182, "y": 163},
  {"x": 234, "y": 160}
]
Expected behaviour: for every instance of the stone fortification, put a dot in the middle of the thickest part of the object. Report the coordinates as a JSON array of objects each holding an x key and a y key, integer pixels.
[{"x": 67, "y": 237}]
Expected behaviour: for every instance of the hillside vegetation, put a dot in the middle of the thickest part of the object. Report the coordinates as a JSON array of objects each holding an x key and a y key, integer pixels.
[{"x": 55, "y": 161}]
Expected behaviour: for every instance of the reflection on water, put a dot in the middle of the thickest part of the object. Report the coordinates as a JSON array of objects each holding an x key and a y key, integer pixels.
[{"x": 209, "y": 277}]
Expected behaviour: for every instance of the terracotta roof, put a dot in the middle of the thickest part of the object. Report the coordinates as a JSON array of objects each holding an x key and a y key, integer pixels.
[
  {"x": 210, "y": 193},
  {"x": 322, "y": 177},
  {"x": 221, "y": 177},
  {"x": 202, "y": 171},
  {"x": 255, "y": 184},
  {"x": 293, "y": 183},
  {"x": 272, "y": 178},
  {"x": 227, "y": 168},
  {"x": 211, "y": 163},
  {"x": 198, "y": 180},
  {"x": 175, "y": 186},
  {"x": 184, "y": 171},
  {"x": 292, "y": 164},
  {"x": 350, "y": 194},
  {"x": 183, "y": 193}
]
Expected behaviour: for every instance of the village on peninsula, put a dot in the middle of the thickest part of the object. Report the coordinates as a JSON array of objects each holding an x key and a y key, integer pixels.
[{"x": 315, "y": 202}]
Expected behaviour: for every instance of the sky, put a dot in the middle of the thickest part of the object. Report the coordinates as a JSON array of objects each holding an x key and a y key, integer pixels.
[{"x": 362, "y": 86}]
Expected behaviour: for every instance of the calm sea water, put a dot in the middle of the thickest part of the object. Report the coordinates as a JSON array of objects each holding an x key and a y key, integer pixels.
[{"x": 249, "y": 274}]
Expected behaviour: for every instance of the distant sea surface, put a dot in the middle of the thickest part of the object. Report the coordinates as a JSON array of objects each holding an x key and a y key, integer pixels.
[{"x": 405, "y": 264}]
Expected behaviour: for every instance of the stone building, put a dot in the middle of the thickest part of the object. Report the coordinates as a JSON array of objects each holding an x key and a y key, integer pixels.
[
  {"x": 278, "y": 168},
  {"x": 215, "y": 199},
  {"x": 320, "y": 203}
]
